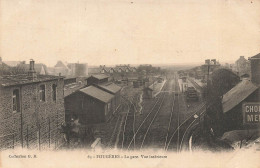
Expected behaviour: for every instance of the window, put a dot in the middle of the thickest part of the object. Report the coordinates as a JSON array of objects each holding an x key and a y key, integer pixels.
[
  {"x": 42, "y": 93},
  {"x": 54, "y": 92},
  {"x": 16, "y": 100}
]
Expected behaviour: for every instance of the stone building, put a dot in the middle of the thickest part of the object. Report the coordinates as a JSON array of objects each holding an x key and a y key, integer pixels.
[
  {"x": 31, "y": 110},
  {"x": 242, "y": 66}
]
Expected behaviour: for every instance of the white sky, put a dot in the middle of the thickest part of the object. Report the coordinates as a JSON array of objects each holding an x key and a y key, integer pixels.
[{"x": 118, "y": 31}]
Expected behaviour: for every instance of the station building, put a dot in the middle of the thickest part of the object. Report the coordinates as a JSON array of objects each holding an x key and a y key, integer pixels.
[{"x": 31, "y": 110}]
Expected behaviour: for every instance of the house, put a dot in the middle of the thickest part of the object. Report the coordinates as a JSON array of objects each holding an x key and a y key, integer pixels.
[
  {"x": 97, "y": 79},
  {"x": 90, "y": 104},
  {"x": 103, "y": 69},
  {"x": 32, "y": 110},
  {"x": 242, "y": 66},
  {"x": 112, "y": 71}
]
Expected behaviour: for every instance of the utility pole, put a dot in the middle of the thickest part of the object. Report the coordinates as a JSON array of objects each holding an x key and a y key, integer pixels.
[{"x": 207, "y": 91}]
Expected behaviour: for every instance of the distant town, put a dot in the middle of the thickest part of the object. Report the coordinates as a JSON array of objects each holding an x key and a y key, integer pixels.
[{"x": 212, "y": 107}]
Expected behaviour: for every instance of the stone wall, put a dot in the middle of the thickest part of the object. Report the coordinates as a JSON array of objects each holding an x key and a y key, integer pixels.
[{"x": 37, "y": 125}]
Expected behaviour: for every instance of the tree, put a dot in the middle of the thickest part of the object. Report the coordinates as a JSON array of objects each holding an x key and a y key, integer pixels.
[{"x": 221, "y": 82}]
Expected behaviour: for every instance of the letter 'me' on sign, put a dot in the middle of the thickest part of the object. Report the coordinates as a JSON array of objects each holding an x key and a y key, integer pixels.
[{"x": 251, "y": 113}]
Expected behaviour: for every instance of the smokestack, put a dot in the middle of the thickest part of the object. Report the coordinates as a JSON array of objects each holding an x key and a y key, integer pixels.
[
  {"x": 207, "y": 61},
  {"x": 32, "y": 72},
  {"x": 1, "y": 60}
]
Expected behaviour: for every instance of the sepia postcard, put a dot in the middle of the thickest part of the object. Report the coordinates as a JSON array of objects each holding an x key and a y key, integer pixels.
[{"x": 129, "y": 83}]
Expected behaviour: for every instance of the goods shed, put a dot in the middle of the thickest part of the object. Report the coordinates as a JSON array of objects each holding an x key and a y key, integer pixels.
[{"x": 91, "y": 105}]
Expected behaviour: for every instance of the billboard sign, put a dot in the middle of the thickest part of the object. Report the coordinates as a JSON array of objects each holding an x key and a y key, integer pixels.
[{"x": 251, "y": 112}]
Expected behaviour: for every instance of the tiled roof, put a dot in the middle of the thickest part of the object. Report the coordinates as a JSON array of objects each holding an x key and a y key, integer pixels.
[
  {"x": 11, "y": 80},
  {"x": 237, "y": 94},
  {"x": 110, "y": 87},
  {"x": 97, "y": 93}
]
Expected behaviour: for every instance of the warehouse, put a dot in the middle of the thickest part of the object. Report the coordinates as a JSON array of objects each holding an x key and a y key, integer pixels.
[{"x": 91, "y": 105}]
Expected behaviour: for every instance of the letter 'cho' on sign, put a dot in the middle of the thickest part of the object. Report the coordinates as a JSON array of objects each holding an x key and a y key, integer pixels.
[{"x": 251, "y": 112}]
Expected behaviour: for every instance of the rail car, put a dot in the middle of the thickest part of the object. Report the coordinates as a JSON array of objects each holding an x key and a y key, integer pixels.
[{"x": 192, "y": 94}]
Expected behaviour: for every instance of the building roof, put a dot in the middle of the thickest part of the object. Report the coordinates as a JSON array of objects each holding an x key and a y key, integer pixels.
[
  {"x": 21, "y": 79},
  {"x": 111, "y": 87},
  {"x": 69, "y": 89},
  {"x": 12, "y": 63},
  {"x": 100, "y": 76},
  {"x": 237, "y": 94},
  {"x": 256, "y": 56},
  {"x": 60, "y": 64},
  {"x": 97, "y": 93}
]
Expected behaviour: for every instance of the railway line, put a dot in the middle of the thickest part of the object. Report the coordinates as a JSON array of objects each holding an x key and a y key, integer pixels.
[
  {"x": 129, "y": 123},
  {"x": 183, "y": 128},
  {"x": 133, "y": 133},
  {"x": 144, "y": 127}
]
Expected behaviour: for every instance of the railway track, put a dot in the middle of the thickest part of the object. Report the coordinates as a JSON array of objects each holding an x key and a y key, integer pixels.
[
  {"x": 170, "y": 122},
  {"x": 183, "y": 128},
  {"x": 174, "y": 113},
  {"x": 129, "y": 123},
  {"x": 117, "y": 128},
  {"x": 143, "y": 129}
]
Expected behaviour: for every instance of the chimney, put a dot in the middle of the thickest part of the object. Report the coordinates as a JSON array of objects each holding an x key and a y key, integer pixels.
[
  {"x": 207, "y": 61},
  {"x": 32, "y": 72},
  {"x": 1, "y": 60},
  {"x": 214, "y": 61},
  {"x": 255, "y": 69}
]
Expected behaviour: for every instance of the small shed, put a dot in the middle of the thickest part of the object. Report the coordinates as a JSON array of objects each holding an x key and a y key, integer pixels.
[{"x": 147, "y": 93}]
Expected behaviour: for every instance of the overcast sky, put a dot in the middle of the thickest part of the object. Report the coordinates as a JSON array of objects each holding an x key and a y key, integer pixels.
[{"x": 118, "y": 31}]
